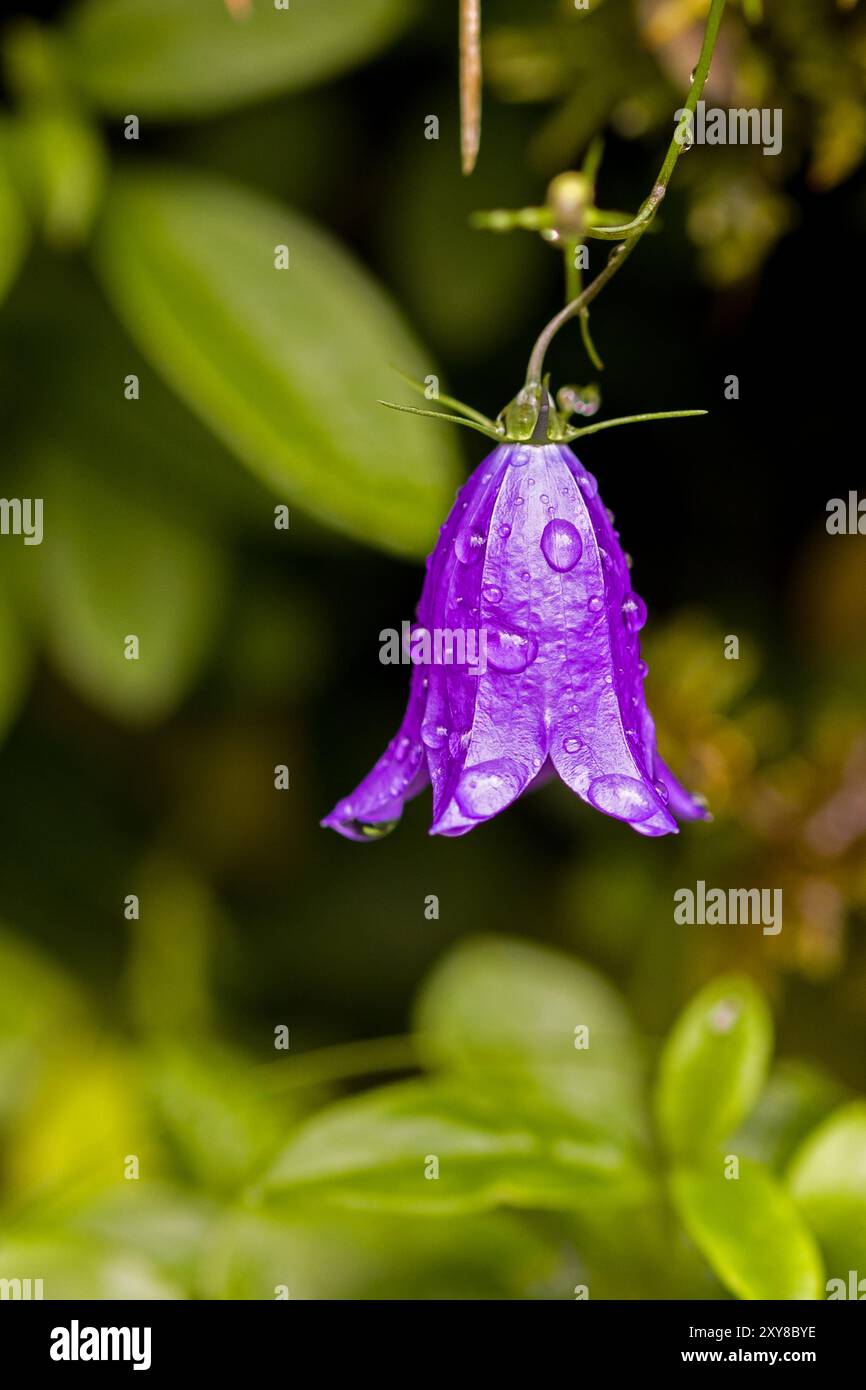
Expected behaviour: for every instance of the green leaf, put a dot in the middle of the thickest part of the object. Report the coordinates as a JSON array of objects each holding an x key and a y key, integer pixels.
[
  {"x": 114, "y": 570},
  {"x": 284, "y": 365},
  {"x": 63, "y": 171},
  {"x": 326, "y": 1252},
  {"x": 506, "y": 1012},
  {"x": 713, "y": 1066},
  {"x": 828, "y": 1181},
  {"x": 164, "y": 59},
  {"x": 749, "y": 1231},
  {"x": 376, "y": 1152},
  {"x": 797, "y": 1097},
  {"x": 38, "y": 1007},
  {"x": 75, "y": 1267}
]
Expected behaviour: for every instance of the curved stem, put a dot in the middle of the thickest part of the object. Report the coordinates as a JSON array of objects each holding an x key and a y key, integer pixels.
[{"x": 631, "y": 232}]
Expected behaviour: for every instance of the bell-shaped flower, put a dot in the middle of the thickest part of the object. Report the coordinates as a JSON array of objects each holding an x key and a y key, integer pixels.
[{"x": 529, "y": 579}]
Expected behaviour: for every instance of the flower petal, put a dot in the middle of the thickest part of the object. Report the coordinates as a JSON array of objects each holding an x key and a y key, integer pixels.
[
  {"x": 406, "y": 766},
  {"x": 506, "y": 746},
  {"x": 602, "y": 742}
]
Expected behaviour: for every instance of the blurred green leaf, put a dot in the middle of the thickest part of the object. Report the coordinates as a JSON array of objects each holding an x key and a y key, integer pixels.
[
  {"x": 153, "y": 1220},
  {"x": 506, "y": 1012},
  {"x": 82, "y": 1268},
  {"x": 749, "y": 1231},
  {"x": 713, "y": 1066},
  {"x": 285, "y": 365},
  {"x": 219, "y": 1127},
  {"x": 375, "y": 1152},
  {"x": 828, "y": 1181},
  {"x": 113, "y": 569},
  {"x": 37, "y": 1005},
  {"x": 63, "y": 170},
  {"x": 329, "y": 1253},
  {"x": 164, "y": 59},
  {"x": 172, "y": 942},
  {"x": 796, "y": 1098},
  {"x": 84, "y": 1121},
  {"x": 14, "y": 230}
]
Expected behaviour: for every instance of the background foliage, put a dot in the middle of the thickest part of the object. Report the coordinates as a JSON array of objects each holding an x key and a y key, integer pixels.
[{"x": 155, "y": 1036}]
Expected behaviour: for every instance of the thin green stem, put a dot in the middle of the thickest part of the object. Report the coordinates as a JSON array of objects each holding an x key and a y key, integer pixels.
[
  {"x": 634, "y": 420},
  {"x": 342, "y": 1062},
  {"x": 440, "y": 415},
  {"x": 451, "y": 401},
  {"x": 631, "y": 232}
]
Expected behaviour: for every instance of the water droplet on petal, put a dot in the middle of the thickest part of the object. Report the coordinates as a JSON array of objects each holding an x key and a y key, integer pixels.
[
  {"x": 628, "y": 560},
  {"x": 572, "y": 745},
  {"x": 633, "y": 612},
  {"x": 510, "y": 652},
  {"x": 588, "y": 485},
  {"x": 402, "y": 748},
  {"x": 505, "y": 529},
  {"x": 458, "y": 743},
  {"x": 492, "y": 593},
  {"x": 594, "y": 604},
  {"x": 662, "y": 792},
  {"x": 544, "y": 498},
  {"x": 434, "y": 735},
  {"x": 469, "y": 546},
  {"x": 370, "y": 830},
  {"x": 642, "y": 669},
  {"x": 520, "y": 456},
  {"x": 561, "y": 545},
  {"x": 623, "y": 797},
  {"x": 487, "y": 788}
]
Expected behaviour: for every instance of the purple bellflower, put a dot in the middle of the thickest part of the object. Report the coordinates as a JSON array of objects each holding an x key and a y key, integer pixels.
[{"x": 529, "y": 559}]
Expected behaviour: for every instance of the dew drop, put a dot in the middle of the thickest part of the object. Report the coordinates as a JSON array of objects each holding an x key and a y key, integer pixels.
[
  {"x": 370, "y": 830},
  {"x": 511, "y": 652},
  {"x": 633, "y": 612},
  {"x": 402, "y": 748},
  {"x": 662, "y": 792},
  {"x": 642, "y": 670},
  {"x": 594, "y": 604},
  {"x": 492, "y": 593},
  {"x": 544, "y": 498},
  {"x": 469, "y": 546},
  {"x": 505, "y": 530},
  {"x": 572, "y": 745},
  {"x": 588, "y": 485},
  {"x": 434, "y": 736},
  {"x": 628, "y": 560},
  {"x": 561, "y": 545},
  {"x": 623, "y": 797},
  {"x": 487, "y": 788}
]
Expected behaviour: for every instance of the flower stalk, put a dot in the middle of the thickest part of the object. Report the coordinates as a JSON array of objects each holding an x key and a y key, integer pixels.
[{"x": 628, "y": 234}]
